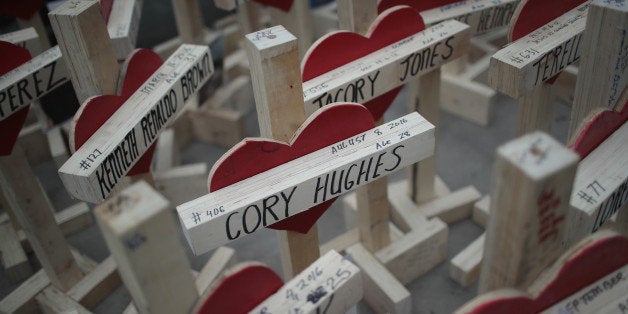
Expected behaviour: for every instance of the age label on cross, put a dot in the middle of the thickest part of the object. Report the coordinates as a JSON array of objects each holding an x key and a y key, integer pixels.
[
  {"x": 31, "y": 81},
  {"x": 284, "y": 191},
  {"x": 607, "y": 293},
  {"x": 381, "y": 71},
  {"x": 601, "y": 186},
  {"x": 482, "y": 15},
  {"x": 540, "y": 55},
  {"x": 95, "y": 168},
  {"x": 332, "y": 284}
]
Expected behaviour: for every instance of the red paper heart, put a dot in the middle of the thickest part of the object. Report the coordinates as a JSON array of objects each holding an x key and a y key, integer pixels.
[
  {"x": 283, "y": 5},
  {"x": 23, "y": 9},
  {"x": 533, "y": 14},
  {"x": 12, "y": 57},
  {"x": 235, "y": 294},
  {"x": 419, "y": 5},
  {"x": 339, "y": 48},
  {"x": 599, "y": 129},
  {"x": 592, "y": 262},
  {"x": 326, "y": 126},
  {"x": 96, "y": 110}
]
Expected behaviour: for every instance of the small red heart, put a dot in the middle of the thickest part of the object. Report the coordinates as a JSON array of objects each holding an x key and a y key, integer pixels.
[
  {"x": 592, "y": 262},
  {"x": 326, "y": 126},
  {"x": 533, "y": 14},
  {"x": 599, "y": 129},
  {"x": 12, "y": 57},
  {"x": 23, "y": 9},
  {"x": 96, "y": 110},
  {"x": 419, "y": 5},
  {"x": 283, "y": 5},
  {"x": 339, "y": 48},
  {"x": 235, "y": 294}
]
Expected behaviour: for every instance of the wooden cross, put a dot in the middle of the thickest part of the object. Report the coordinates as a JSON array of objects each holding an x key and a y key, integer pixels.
[
  {"x": 133, "y": 223},
  {"x": 461, "y": 94},
  {"x": 331, "y": 284},
  {"x": 603, "y": 78},
  {"x": 525, "y": 68}
]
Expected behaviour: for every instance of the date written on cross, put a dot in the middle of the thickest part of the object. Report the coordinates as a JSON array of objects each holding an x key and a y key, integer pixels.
[{"x": 284, "y": 191}]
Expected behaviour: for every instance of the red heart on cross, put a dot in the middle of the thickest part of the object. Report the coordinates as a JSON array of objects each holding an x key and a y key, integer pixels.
[
  {"x": 419, "y": 5},
  {"x": 598, "y": 129},
  {"x": 96, "y": 110},
  {"x": 13, "y": 57},
  {"x": 283, "y": 5},
  {"x": 591, "y": 262},
  {"x": 531, "y": 15},
  {"x": 253, "y": 156},
  {"x": 339, "y": 48},
  {"x": 105, "y": 8},
  {"x": 234, "y": 294},
  {"x": 23, "y": 9}
]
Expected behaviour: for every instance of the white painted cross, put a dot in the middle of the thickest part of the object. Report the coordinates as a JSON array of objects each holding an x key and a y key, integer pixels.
[
  {"x": 93, "y": 170},
  {"x": 242, "y": 208}
]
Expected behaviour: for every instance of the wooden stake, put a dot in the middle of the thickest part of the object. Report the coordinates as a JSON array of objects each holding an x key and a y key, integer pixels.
[
  {"x": 248, "y": 16},
  {"x": 524, "y": 68},
  {"x": 153, "y": 267},
  {"x": 298, "y": 22},
  {"x": 28, "y": 202},
  {"x": 602, "y": 75},
  {"x": 535, "y": 110},
  {"x": 278, "y": 90},
  {"x": 87, "y": 50},
  {"x": 424, "y": 96},
  {"x": 372, "y": 199},
  {"x": 531, "y": 186}
]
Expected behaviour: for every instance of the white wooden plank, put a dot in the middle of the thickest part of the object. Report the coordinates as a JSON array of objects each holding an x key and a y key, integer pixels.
[
  {"x": 209, "y": 220},
  {"x": 332, "y": 284},
  {"x": 603, "y": 72},
  {"x": 25, "y": 38},
  {"x": 605, "y": 293},
  {"x": 93, "y": 170},
  {"x": 123, "y": 26},
  {"x": 600, "y": 188},
  {"x": 381, "y": 71},
  {"x": 537, "y": 57}
]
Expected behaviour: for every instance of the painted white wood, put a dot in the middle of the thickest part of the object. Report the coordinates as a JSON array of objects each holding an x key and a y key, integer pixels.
[
  {"x": 31, "y": 81},
  {"x": 530, "y": 61},
  {"x": 332, "y": 284},
  {"x": 381, "y": 71},
  {"x": 93, "y": 171}
]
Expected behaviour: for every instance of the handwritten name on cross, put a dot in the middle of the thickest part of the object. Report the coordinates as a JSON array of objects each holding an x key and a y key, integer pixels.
[{"x": 93, "y": 170}]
